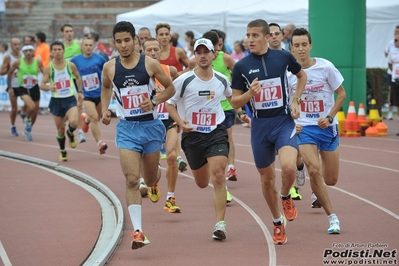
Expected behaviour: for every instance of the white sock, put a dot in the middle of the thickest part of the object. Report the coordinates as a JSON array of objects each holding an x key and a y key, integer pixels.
[
  {"x": 279, "y": 219},
  {"x": 178, "y": 157},
  {"x": 230, "y": 166},
  {"x": 99, "y": 142},
  {"x": 135, "y": 216},
  {"x": 169, "y": 195},
  {"x": 332, "y": 216},
  {"x": 80, "y": 131},
  {"x": 142, "y": 180}
]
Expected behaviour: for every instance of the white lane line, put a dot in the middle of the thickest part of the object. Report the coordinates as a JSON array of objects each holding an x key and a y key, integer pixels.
[
  {"x": 3, "y": 256},
  {"x": 368, "y": 149},
  {"x": 394, "y": 215},
  {"x": 370, "y": 165}
]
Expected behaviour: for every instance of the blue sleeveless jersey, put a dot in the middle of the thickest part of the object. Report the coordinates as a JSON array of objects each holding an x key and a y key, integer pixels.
[
  {"x": 131, "y": 87},
  {"x": 90, "y": 70}
]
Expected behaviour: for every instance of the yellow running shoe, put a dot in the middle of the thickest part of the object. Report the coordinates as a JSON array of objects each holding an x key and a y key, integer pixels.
[
  {"x": 63, "y": 156},
  {"x": 72, "y": 140},
  {"x": 294, "y": 191},
  {"x": 228, "y": 199},
  {"x": 170, "y": 206},
  {"x": 154, "y": 194}
]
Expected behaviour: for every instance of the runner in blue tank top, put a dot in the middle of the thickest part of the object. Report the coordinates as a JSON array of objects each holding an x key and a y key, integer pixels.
[
  {"x": 260, "y": 79},
  {"x": 90, "y": 66},
  {"x": 139, "y": 133}
]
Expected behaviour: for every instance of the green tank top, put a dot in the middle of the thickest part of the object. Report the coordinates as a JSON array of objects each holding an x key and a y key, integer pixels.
[
  {"x": 218, "y": 65},
  {"x": 28, "y": 74},
  {"x": 62, "y": 79},
  {"x": 72, "y": 50}
]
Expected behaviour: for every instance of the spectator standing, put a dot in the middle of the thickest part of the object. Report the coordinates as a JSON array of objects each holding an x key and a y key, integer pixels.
[{"x": 288, "y": 30}]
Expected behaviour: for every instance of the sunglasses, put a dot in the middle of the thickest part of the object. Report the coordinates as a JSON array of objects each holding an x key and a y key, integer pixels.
[{"x": 275, "y": 33}]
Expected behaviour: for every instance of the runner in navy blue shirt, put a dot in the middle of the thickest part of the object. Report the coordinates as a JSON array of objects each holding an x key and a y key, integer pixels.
[{"x": 260, "y": 80}]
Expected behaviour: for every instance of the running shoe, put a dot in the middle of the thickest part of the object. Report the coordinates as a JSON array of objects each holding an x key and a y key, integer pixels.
[
  {"x": 154, "y": 193},
  {"x": 334, "y": 226},
  {"x": 139, "y": 240},
  {"x": 28, "y": 124},
  {"x": 228, "y": 197},
  {"x": 231, "y": 174},
  {"x": 182, "y": 164},
  {"x": 14, "y": 131},
  {"x": 219, "y": 233},
  {"x": 102, "y": 147},
  {"x": 72, "y": 140},
  {"x": 279, "y": 236},
  {"x": 294, "y": 191},
  {"x": 28, "y": 135},
  {"x": 63, "y": 156},
  {"x": 315, "y": 201},
  {"x": 143, "y": 189},
  {"x": 300, "y": 176},
  {"x": 170, "y": 206},
  {"x": 290, "y": 211},
  {"x": 81, "y": 136},
  {"x": 85, "y": 125},
  {"x": 390, "y": 116}
]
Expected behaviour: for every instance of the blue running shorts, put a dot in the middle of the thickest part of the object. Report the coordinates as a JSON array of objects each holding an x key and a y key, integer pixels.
[
  {"x": 268, "y": 135},
  {"x": 325, "y": 139},
  {"x": 141, "y": 136},
  {"x": 230, "y": 117}
]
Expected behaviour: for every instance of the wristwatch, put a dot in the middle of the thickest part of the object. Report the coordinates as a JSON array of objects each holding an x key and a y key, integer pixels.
[
  {"x": 330, "y": 119},
  {"x": 154, "y": 103},
  {"x": 297, "y": 99},
  {"x": 240, "y": 113}
]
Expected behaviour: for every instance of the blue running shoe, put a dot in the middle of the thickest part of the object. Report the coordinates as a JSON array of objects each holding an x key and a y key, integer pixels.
[
  {"x": 28, "y": 124},
  {"x": 28, "y": 136},
  {"x": 14, "y": 131}
]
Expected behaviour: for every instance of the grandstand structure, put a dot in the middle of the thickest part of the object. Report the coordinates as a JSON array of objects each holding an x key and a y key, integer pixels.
[{"x": 26, "y": 17}]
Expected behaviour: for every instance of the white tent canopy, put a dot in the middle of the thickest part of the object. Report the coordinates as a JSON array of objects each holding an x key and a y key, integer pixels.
[{"x": 232, "y": 16}]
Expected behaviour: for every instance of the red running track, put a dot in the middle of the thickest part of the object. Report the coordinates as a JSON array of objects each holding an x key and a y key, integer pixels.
[{"x": 365, "y": 199}]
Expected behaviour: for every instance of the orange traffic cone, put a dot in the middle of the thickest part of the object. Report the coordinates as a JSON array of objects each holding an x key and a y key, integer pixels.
[
  {"x": 362, "y": 120},
  {"x": 382, "y": 129},
  {"x": 351, "y": 115},
  {"x": 371, "y": 132},
  {"x": 361, "y": 116},
  {"x": 351, "y": 126}
]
